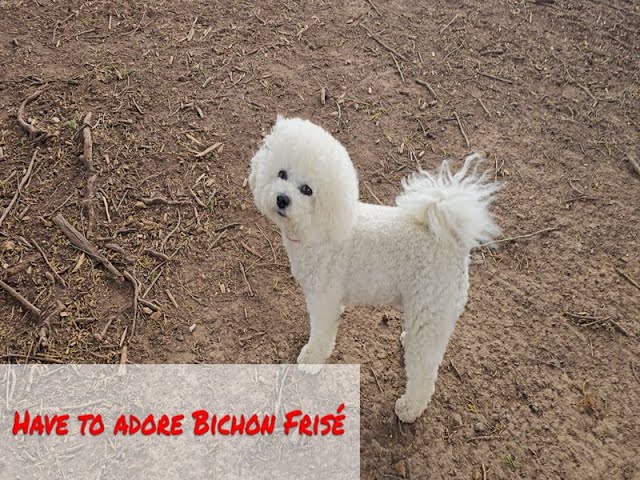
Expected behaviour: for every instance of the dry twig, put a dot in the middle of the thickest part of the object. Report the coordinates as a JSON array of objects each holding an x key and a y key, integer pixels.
[
  {"x": 634, "y": 163},
  {"x": 428, "y": 87},
  {"x": 23, "y": 301},
  {"x": 81, "y": 243},
  {"x": 87, "y": 159},
  {"x": 384, "y": 45},
  {"x": 136, "y": 292},
  {"x": 46, "y": 260},
  {"x": 30, "y": 129},
  {"x": 466, "y": 139},
  {"x": 518, "y": 237},
  {"x": 21, "y": 185},
  {"x": 628, "y": 278}
]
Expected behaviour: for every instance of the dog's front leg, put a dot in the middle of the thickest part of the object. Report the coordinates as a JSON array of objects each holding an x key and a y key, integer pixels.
[{"x": 324, "y": 312}]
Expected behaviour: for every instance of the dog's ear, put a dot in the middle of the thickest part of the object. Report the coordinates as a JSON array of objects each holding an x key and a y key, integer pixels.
[
  {"x": 256, "y": 166},
  {"x": 337, "y": 205}
]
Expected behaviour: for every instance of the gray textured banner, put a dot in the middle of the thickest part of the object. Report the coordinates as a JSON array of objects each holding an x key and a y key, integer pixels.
[{"x": 208, "y": 421}]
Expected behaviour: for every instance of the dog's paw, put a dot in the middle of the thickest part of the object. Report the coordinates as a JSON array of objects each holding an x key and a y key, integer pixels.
[
  {"x": 310, "y": 368},
  {"x": 311, "y": 360},
  {"x": 406, "y": 412}
]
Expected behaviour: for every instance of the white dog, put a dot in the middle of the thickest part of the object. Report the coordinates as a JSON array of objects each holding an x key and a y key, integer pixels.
[{"x": 344, "y": 252}]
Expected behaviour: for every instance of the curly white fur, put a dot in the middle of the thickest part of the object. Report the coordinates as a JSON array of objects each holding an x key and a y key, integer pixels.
[{"x": 344, "y": 252}]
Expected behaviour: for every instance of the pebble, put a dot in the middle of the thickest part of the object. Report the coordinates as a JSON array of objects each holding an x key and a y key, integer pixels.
[
  {"x": 401, "y": 469},
  {"x": 479, "y": 427}
]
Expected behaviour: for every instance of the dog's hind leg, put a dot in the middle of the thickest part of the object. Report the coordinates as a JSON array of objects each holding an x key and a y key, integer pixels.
[
  {"x": 426, "y": 339},
  {"x": 324, "y": 312}
]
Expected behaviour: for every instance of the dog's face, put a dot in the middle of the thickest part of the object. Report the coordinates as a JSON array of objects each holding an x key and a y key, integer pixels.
[{"x": 303, "y": 180}]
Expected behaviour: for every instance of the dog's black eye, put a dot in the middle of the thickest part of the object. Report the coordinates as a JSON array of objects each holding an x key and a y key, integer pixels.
[
  {"x": 306, "y": 190},
  {"x": 282, "y": 174}
]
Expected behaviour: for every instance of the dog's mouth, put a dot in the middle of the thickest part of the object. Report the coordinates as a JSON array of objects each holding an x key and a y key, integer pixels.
[{"x": 281, "y": 214}]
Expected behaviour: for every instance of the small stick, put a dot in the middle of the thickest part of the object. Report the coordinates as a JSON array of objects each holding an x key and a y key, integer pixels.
[
  {"x": 455, "y": 370},
  {"x": 147, "y": 303},
  {"x": 157, "y": 200},
  {"x": 373, "y": 5},
  {"x": 634, "y": 163},
  {"x": 197, "y": 199},
  {"x": 171, "y": 232},
  {"x": 220, "y": 235},
  {"x": 246, "y": 280},
  {"x": 171, "y": 298},
  {"x": 628, "y": 278},
  {"x": 81, "y": 243},
  {"x": 100, "y": 336},
  {"x": 33, "y": 131},
  {"x": 588, "y": 92},
  {"x": 37, "y": 358},
  {"x": 43, "y": 333},
  {"x": 499, "y": 79},
  {"x": 87, "y": 159},
  {"x": 250, "y": 250},
  {"x": 398, "y": 67},
  {"x": 484, "y": 472},
  {"x": 481, "y": 437},
  {"x": 429, "y": 87},
  {"x": 466, "y": 139},
  {"x": 192, "y": 31},
  {"x": 273, "y": 251},
  {"x": 449, "y": 24},
  {"x": 136, "y": 291},
  {"x": 106, "y": 208},
  {"x": 620, "y": 328},
  {"x": 21, "y": 185},
  {"x": 518, "y": 237},
  {"x": 376, "y": 379},
  {"x": 323, "y": 96},
  {"x": 156, "y": 254},
  {"x": 209, "y": 149},
  {"x": 153, "y": 282},
  {"x": 384, "y": 45},
  {"x": 373, "y": 194},
  {"x": 225, "y": 227},
  {"x": 46, "y": 260},
  {"x": 482, "y": 105},
  {"x": 23, "y": 301}
]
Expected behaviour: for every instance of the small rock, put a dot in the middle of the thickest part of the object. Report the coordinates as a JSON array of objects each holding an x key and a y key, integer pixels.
[
  {"x": 140, "y": 204},
  {"x": 147, "y": 310},
  {"x": 401, "y": 469},
  {"x": 456, "y": 418},
  {"x": 192, "y": 328},
  {"x": 55, "y": 119},
  {"x": 479, "y": 427},
  {"x": 537, "y": 409}
]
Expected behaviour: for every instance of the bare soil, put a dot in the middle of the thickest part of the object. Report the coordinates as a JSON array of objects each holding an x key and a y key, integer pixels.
[{"x": 541, "y": 379}]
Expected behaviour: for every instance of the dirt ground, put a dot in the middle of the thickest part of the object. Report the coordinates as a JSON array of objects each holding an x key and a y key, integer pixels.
[{"x": 542, "y": 377}]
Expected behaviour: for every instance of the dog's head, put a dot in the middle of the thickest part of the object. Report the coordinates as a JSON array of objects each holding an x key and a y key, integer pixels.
[{"x": 303, "y": 180}]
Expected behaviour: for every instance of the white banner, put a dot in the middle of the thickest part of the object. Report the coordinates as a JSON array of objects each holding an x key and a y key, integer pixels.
[{"x": 179, "y": 422}]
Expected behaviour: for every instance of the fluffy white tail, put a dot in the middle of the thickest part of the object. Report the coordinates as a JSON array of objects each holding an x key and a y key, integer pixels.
[{"x": 455, "y": 207}]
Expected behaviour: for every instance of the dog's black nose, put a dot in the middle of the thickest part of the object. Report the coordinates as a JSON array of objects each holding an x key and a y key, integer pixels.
[{"x": 283, "y": 201}]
